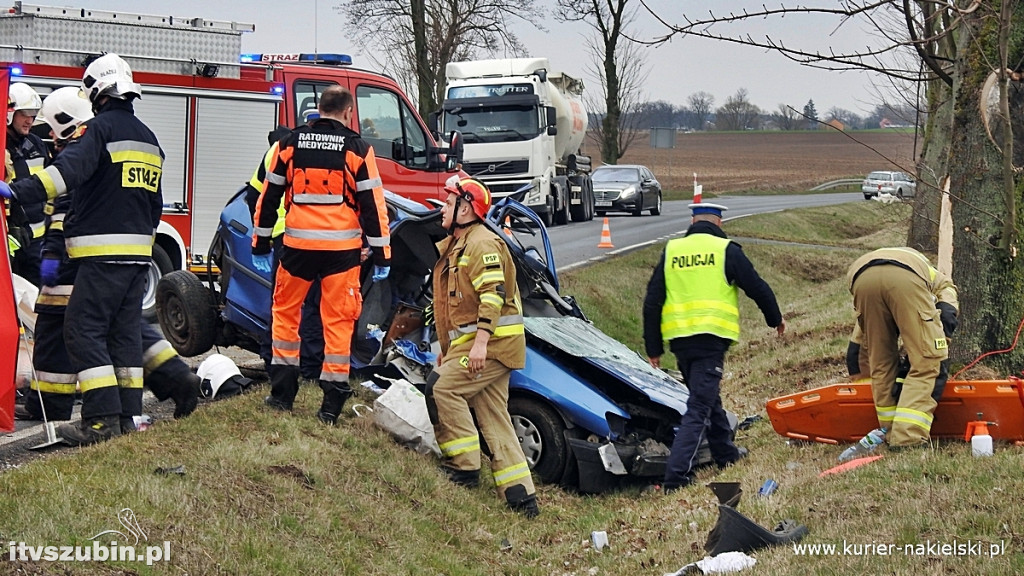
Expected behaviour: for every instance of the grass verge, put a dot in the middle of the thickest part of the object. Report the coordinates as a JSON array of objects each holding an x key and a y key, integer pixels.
[{"x": 266, "y": 493}]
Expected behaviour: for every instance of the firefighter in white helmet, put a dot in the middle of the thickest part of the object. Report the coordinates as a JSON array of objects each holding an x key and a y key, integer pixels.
[
  {"x": 166, "y": 375},
  {"x": 114, "y": 166},
  {"x": 26, "y": 154}
]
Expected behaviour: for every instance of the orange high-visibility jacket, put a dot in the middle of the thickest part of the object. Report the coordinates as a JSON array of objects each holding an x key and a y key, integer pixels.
[{"x": 332, "y": 193}]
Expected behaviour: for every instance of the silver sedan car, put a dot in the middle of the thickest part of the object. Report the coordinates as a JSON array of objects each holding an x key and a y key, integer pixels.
[{"x": 897, "y": 184}]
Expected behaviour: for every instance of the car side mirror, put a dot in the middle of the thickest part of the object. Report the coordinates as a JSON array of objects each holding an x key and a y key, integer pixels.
[{"x": 455, "y": 152}]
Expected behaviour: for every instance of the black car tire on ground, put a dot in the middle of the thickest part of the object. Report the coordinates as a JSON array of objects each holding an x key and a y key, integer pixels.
[
  {"x": 160, "y": 266},
  {"x": 187, "y": 313},
  {"x": 601, "y": 212},
  {"x": 656, "y": 210},
  {"x": 867, "y": 196},
  {"x": 638, "y": 210},
  {"x": 541, "y": 433}
]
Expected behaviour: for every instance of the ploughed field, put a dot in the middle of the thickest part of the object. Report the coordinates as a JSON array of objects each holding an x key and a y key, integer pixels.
[{"x": 774, "y": 161}]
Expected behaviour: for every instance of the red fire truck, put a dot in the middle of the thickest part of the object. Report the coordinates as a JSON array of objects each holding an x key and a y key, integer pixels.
[{"x": 212, "y": 107}]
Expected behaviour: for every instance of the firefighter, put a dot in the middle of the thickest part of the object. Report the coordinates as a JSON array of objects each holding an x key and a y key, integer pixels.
[
  {"x": 311, "y": 330},
  {"x": 332, "y": 194},
  {"x": 27, "y": 155},
  {"x": 897, "y": 293},
  {"x": 114, "y": 165},
  {"x": 693, "y": 302},
  {"x": 479, "y": 321},
  {"x": 54, "y": 384}
]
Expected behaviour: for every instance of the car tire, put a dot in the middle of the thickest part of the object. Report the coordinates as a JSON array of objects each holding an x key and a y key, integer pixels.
[
  {"x": 601, "y": 213},
  {"x": 638, "y": 210},
  {"x": 867, "y": 196},
  {"x": 541, "y": 434},
  {"x": 656, "y": 211},
  {"x": 899, "y": 193},
  {"x": 187, "y": 313},
  {"x": 159, "y": 266}
]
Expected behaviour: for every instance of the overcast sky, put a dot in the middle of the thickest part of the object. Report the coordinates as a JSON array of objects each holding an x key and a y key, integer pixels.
[{"x": 676, "y": 70}]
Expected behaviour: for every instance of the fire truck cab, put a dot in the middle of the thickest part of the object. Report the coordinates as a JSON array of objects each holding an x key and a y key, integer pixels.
[{"x": 212, "y": 108}]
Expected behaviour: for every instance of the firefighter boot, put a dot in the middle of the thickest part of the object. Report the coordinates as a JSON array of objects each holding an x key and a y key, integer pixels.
[
  {"x": 90, "y": 431},
  {"x": 186, "y": 396},
  {"x": 521, "y": 502},
  {"x": 464, "y": 478},
  {"x": 334, "y": 399}
]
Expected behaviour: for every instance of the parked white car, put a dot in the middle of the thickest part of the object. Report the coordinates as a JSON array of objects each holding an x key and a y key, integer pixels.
[{"x": 898, "y": 184}]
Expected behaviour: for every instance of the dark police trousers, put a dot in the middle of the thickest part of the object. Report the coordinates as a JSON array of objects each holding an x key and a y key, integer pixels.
[
  {"x": 103, "y": 340},
  {"x": 704, "y": 418}
]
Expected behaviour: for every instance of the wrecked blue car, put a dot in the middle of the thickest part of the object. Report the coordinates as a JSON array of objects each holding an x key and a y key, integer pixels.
[{"x": 589, "y": 412}]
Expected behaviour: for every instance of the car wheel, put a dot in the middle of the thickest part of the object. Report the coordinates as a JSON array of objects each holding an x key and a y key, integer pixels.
[
  {"x": 187, "y": 313},
  {"x": 541, "y": 434},
  {"x": 899, "y": 193},
  {"x": 601, "y": 212},
  {"x": 161, "y": 264},
  {"x": 867, "y": 196},
  {"x": 639, "y": 208},
  {"x": 656, "y": 211}
]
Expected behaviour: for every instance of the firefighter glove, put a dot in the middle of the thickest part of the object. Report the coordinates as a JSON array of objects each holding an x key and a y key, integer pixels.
[
  {"x": 380, "y": 272},
  {"x": 947, "y": 314},
  {"x": 262, "y": 262},
  {"x": 428, "y": 315},
  {"x": 48, "y": 270},
  {"x": 5, "y": 190}
]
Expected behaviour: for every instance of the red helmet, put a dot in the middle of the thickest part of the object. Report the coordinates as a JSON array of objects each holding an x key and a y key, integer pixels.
[{"x": 472, "y": 191}]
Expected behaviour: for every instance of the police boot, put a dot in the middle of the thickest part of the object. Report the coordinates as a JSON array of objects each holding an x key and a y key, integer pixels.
[
  {"x": 186, "y": 396},
  {"x": 334, "y": 400},
  {"x": 90, "y": 431},
  {"x": 521, "y": 502},
  {"x": 464, "y": 478}
]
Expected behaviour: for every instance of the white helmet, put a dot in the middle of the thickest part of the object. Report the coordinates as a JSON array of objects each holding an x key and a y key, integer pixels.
[
  {"x": 64, "y": 109},
  {"x": 109, "y": 75},
  {"x": 21, "y": 96},
  {"x": 215, "y": 371}
]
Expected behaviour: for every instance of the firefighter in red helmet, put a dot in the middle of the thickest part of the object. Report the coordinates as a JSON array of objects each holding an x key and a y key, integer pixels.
[{"x": 479, "y": 321}]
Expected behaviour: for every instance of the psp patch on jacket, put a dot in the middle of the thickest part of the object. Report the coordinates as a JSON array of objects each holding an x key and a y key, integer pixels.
[{"x": 491, "y": 259}]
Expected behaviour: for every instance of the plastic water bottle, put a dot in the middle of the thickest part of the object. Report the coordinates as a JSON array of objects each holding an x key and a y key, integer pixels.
[{"x": 867, "y": 444}]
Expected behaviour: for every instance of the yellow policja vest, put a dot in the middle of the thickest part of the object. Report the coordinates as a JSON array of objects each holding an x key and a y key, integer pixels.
[{"x": 698, "y": 298}]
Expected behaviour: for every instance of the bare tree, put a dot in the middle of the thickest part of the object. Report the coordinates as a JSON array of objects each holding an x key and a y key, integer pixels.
[
  {"x": 848, "y": 118},
  {"x": 787, "y": 118},
  {"x": 738, "y": 113},
  {"x": 416, "y": 39},
  {"x": 963, "y": 56},
  {"x": 701, "y": 104},
  {"x": 618, "y": 65}
]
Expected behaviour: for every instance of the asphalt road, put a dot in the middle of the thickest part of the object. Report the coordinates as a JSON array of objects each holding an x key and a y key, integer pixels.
[
  {"x": 573, "y": 245},
  {"x": 576, "y": 244}
]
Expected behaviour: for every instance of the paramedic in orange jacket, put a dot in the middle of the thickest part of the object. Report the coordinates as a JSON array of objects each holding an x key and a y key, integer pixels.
[
  {"x": 333, "y": 197},
  {"x": 479, "y": 320}
]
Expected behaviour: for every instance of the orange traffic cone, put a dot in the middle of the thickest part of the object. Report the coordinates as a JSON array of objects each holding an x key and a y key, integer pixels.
[
  {"x": 508, "y": 226},
  {"x": 606, "y": 236}
]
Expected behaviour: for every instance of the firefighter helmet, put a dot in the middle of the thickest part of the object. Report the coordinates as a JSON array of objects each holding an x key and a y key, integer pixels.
[
  {"x": 109, "y": 75},
  {"x": 64, "y": 109},
  {"x": 472, "y": 191},
  {"x": 21, "y": 96}
]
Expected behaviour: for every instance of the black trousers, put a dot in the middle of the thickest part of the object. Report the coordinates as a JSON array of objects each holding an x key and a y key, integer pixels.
[
  {"x": 704, "y": 418},
  {"x": 104, "y": 337}
]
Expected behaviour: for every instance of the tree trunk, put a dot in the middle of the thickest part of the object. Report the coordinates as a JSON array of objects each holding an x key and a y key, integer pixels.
[
  {"x": 610, "y": 124},
  {"x": 424, "y": 73},
  {"x": 989, "y": 277},
  {"x": 931, "y": 168}
]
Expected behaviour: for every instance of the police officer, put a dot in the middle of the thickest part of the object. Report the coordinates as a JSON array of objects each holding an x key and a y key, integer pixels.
[
  {"x": 27, "y": 155},
  {"x": 479, "y": 321},
  {"x": 693, "y": 302},
  {"x": 897, "y": 293},
  {"x": 311, "y": 330},
  {"x": 55, "y": 380},
  {"x": 114, "y": 166},
  {"x": 333, "y": 196}
]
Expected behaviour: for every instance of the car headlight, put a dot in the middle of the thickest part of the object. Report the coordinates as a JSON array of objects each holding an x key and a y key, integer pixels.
[{"x": 629, "y": 191}]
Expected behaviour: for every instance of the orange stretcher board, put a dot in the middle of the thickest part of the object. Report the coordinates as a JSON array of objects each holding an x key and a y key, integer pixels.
[{"x": 846, "y": 412}]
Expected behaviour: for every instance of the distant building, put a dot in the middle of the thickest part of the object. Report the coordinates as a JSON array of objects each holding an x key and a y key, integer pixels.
[{"x": 835, "y": 123}]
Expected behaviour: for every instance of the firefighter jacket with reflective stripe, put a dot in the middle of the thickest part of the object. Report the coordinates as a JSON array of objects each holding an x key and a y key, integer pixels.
[
  {"x": 114, "y": 164},
  {"x": 332, "y": 193},
  {"x": 29, "y": 156},
  {"x": 698, "y": 299},
  {"x": 54, "y": 299},
  {"x": 256, "y": 185},
  {"x": 940, "y": 285},
  {"x": 475, "y": 288}
]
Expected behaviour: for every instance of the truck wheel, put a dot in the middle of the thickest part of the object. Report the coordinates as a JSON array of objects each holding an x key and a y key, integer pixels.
[
  {"x": 579, "y": 211},
  {"x": 590, "y": 200},
  {"x": 541, "y": 433},
  {"x": 548, "y": 218},
  {"x": 562, "y": 215},
  {"x": 187, "y": 313},
  {"x": 160, "y": 265}
]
